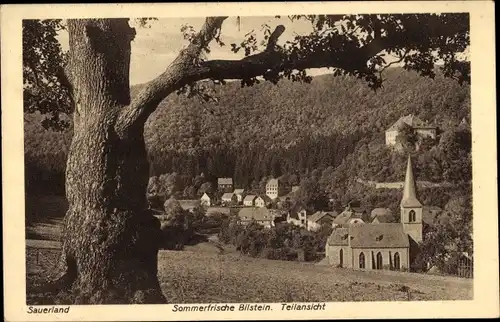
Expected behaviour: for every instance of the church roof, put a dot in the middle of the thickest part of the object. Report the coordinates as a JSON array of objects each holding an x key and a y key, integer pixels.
[
  {"x": 409, "y": 199},
  {"x": 378, "y": 236},
  {"x": 225, "y": 181},
  {"x": 339, "y": 237}
]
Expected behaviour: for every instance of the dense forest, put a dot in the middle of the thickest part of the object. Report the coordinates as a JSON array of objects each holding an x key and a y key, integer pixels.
[{"x": 330, "y": 131}]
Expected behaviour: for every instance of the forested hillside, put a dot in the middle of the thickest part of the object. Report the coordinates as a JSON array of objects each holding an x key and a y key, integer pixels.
[{"x": 331, "y": 130}]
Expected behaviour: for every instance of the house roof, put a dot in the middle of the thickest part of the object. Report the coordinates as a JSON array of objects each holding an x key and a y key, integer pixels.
[
  {"x": 346, "y": 215},
  {"x": 388, "y": 218},
  {"x": 247, "y": 214},
  {"x": 209, "y": 195},
  {"x": 272, "y": 181},
  {"x": 225, "y": 180},
  {"x": 227, "y": 195},
  {"x": 377, "y": 236},
  {"x": 295, "y": 209},
  {"x": 410, "y": 120},
  {"x": 249, "y": 198},
  {"x": 238, "y": 191},
  {"x": 380, "y": 212},
  {"x": 339, "y": 237},
  {"x": 265, "y": 198},
  {"x": 320, "y": 214}
]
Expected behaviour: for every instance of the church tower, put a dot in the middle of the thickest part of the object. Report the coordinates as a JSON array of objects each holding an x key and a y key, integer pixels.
[{"x": 411, "y": 208}]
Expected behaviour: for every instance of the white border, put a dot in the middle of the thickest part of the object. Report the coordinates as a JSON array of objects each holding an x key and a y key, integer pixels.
[{"x": 486, "y": 292}]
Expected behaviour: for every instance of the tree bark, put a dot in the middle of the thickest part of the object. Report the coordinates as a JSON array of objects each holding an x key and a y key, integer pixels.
[{"x": 110, "y": 238}]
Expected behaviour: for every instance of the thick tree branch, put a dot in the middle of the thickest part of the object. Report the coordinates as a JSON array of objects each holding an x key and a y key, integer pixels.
[{"x": 185, "y": 69}]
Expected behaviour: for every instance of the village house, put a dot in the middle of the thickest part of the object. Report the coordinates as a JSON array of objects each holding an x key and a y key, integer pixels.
[
  {"x": 205, "y": 200},
  {"x": 381, "y": 215},
  {"x": 218, "y": 210},
  {"x": 382, "y": 245},
  {"x": 297, "y": 216},
  {"x": 350, "y": 216},
  {"x": 248, "y": 201},
  {"x": 262, "y": 216},
  {"x": 262, "y": 201},
  {"x": 272, "y": 188},
  {"x": 421, "y": 128},
  {"x": 239, "y": 194},
  {"x": 225, "y": 184},
  {"x": 229, "y": 198},
  {"x": 320, "y": 218}
]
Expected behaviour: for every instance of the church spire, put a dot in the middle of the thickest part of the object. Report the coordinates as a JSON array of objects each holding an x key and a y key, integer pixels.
[{"x": 409, "y": 199}]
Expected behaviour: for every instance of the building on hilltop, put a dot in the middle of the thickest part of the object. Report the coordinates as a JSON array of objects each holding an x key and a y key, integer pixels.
[
  {"x": 381, "y": 245},
  {"x": 421, "y": 128},
  {"x": 225, "y": 184}
]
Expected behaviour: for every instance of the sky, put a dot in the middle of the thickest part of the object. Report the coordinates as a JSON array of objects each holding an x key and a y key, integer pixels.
[{"x": 156, "y": 46}]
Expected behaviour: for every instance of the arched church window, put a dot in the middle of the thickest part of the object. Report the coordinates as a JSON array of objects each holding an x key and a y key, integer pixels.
[
  {"x": 379, "y": 261},
  {"x": 397, "y": 264},
  {"x": 361, "y": 260},
  {"x": 413, "y": 216}
]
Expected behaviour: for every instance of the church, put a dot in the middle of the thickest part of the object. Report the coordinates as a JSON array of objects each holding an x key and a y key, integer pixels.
[{"x": 381, "y": 245}]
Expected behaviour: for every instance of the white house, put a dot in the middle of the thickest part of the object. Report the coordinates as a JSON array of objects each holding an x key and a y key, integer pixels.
[
  {"x": 239, "y": 194},
  {"x": 249, "y": 200},
  {"x": 272, "y": 188},
  {"x": 262, "y": 201},
  {"x": 297, "y": 216},
  {"x": 205, "y": 200},
  {"x": 229, "y": 197}
]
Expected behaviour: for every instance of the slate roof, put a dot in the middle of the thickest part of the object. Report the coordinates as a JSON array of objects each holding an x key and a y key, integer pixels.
[
  {"x": 272, "y": 181},
  {"x": 320, "y": 214},
  {"x": 295, "y": 209},
  {"x": 345, "y": 216},
  {"x": 380, "y": 212},
  {"x": 410, "y": 120},
  {"x": 339, "y": 237},
  {"x": 248, "y": 214},
  {"x": 378, "y": 236},
  {"x": 388, "y": 218},
  {"x": 249, "y": 198},
  {"x": 238, "y": 191},
  {"x": 265, "y": 198},
  {"x": 227, "y": 196},
  {"x": 225, "y": 181}
]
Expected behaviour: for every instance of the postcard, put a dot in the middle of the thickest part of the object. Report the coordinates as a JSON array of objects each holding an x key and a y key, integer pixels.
[{"x": 249, "y": 161}]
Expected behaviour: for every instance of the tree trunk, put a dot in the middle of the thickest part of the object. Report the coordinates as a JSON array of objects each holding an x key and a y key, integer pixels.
[{"x": 110, "y": 238}]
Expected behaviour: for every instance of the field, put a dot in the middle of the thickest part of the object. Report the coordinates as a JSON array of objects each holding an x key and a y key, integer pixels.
[{"x": 201, "y": 273}]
